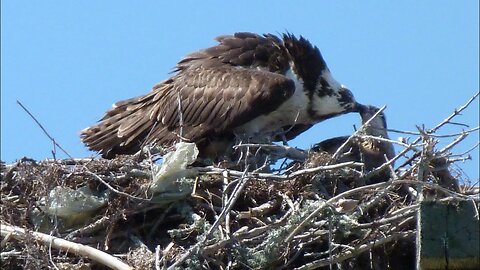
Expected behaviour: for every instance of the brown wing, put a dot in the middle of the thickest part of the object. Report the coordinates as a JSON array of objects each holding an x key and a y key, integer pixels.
[
  {"x": 241, "y": 49},
  {"x": 212, "y": 101}
]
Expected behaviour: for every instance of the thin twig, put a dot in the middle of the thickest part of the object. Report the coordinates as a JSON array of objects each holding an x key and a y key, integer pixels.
[
  {"x": 44, "y": 130},
  {"x": 381, "y": 139},
  {"x": 437, "y": 127},
  {"x": 361, "y": 129},
  {"x": 435, "y": 135},
  {"x": 231, "y": 201},
  {"x": 361, "y": 189},
  {"x": 157, "y": 257},
  {"x": 455, "y": 113},
  {"x": 112, "y": 188},
  {"x": 452, "y": 144},
  {"x": 358, "y": 250},
  {"x": 218, "y": 171}
]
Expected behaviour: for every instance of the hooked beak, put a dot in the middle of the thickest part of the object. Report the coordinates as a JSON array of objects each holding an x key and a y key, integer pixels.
[{"x": 358, "y": 107}]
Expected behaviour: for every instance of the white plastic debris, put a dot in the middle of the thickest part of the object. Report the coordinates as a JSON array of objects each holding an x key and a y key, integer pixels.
[
  {"x": 66, "y": 202},
  {"x": 69, "y": 208},
  {"x": 172, "y": 175}
]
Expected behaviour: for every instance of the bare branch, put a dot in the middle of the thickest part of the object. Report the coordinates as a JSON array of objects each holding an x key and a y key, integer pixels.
[
  {"x": 44, "y": 130},
  {"x": 112, "y": 188},
  {"x": 455, "y": 113},
  {"x": 59, "y": 243},
  {"x": 218, "y": 171}
]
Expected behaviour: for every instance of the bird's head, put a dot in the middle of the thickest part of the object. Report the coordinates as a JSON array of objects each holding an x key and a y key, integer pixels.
[
  {"x": 330, "y": 98},
  {"x": 378, "y": 125}
]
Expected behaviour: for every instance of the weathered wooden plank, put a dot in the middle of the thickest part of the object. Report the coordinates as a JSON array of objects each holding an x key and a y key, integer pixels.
[{"x": 448, "y": 236}]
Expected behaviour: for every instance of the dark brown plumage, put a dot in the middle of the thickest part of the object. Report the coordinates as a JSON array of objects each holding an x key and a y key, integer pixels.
[{"x": 222, "y": 92}]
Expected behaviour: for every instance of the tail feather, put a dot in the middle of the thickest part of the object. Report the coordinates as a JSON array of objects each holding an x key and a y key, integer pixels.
[{"x": 121, "y": 131}]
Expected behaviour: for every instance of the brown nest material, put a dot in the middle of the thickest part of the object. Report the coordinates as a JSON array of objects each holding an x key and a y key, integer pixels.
[
  {"x": 305, "y": 219},
  {"x": 316, "y": 214}
]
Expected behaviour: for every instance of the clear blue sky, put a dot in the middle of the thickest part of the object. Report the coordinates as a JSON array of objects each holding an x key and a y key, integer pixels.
[{"x": 69, "y": 61}]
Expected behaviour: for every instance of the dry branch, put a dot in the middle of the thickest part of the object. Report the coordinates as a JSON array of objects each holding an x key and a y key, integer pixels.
[{"x": 59, "y": 243}]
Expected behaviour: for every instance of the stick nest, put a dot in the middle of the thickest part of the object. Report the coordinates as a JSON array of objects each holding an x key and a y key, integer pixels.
[{"x": 312, "y": 214}]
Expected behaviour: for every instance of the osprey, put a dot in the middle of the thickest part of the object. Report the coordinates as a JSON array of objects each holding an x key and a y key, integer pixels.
[
  {"x": 373, "y": 153},
  {"x": 248, "y": 85}
]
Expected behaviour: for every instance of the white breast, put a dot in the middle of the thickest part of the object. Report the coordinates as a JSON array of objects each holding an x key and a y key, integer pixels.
[{"x": 293, "y": 111}]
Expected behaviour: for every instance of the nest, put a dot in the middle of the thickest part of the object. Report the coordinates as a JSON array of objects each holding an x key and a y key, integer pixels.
[{"x": 317, "y": 213}]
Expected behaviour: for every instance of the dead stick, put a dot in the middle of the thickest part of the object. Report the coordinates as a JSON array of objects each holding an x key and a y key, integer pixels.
[
  {"x": 455, "y": 113},
  {"x": 271, "y": 176},
  {"x": 59, "y": 243}
]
